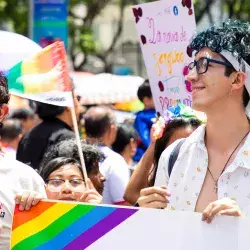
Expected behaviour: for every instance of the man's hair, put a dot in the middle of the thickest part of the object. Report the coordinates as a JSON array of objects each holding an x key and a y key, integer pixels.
[
  {"x": 56, "y": 164},
  {"x": 68, "y": 148},
  {"x": 144, "y": 91},
  {"x": 232, "y": 36},
  {"x": 125, "y": 133},
  {"x": 98, "y": 120},
  {"x": 4, "y": 91},
  {"x": 48, "y": 111},
  {"x": 22, "y": 114},
  {"x": 11, "y": 129}
]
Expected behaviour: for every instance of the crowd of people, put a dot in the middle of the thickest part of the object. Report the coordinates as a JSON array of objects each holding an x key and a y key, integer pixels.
[{"x": 180, "y": 164}]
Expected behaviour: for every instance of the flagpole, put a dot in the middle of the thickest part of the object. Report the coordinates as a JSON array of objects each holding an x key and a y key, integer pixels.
[{"x": 78, "y": 142}]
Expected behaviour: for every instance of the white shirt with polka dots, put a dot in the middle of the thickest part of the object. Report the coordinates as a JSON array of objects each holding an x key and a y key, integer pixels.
[{"x": 189, "y": 172}]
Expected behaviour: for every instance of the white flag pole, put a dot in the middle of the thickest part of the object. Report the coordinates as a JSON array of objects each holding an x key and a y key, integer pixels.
[{"x": 78, "y": 142}]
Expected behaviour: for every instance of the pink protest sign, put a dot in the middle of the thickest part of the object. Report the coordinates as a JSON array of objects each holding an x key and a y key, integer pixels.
[{"x": 165, "y": 29}]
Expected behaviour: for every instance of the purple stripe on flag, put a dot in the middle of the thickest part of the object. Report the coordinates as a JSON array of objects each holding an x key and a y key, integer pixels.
[{"x": 100, "y": 229}]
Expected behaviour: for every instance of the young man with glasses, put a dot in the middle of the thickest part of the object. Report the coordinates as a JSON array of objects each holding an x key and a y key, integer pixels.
[{"x": 212, "y": 172}]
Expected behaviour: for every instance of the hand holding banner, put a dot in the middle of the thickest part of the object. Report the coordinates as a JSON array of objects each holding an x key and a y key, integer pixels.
[{"x": 61, "y": 225}]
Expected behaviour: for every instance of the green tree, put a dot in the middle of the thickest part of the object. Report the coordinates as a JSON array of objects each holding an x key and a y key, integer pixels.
[
  {"x": 85, "y": 42},
  {"x": 16, "y": 14},
  {"x": 236, "y": 9}
]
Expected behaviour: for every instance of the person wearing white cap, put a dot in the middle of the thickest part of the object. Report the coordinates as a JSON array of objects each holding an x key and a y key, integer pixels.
[{"x": 212, "y": 172}]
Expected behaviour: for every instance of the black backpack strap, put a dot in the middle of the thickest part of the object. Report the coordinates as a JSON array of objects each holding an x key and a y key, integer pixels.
[{"x": 173, "y": 157}]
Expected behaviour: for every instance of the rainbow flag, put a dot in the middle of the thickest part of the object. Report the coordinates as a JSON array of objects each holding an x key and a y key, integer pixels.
[
  {"x": 43, "y": 78},
  {"x": 61, "y": 225}
]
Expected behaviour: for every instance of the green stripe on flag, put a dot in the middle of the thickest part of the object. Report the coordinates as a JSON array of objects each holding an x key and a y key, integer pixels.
[
  {"x": 54, "y": 228},
  {"x": 15, "y": 87}
]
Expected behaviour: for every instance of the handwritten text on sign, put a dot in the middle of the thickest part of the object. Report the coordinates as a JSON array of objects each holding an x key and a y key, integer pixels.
[{"x": 165, "y": 29}]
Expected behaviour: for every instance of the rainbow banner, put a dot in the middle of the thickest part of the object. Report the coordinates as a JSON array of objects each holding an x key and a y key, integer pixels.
[
  {"x": 43, "y": 78},
  {"x": 60, "y": 225}
]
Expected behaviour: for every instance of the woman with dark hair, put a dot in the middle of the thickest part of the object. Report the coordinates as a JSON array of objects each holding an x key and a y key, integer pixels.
[
  {"x": 69, "y": 149},
  {"x": 64, "y": 180},
  {"x": 126, "y": 143},
  {"x": 174, "y": 130},
  {"x": 144, "y": 174}
]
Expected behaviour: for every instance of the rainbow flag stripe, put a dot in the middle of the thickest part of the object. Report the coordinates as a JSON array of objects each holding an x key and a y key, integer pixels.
[
  {"x": 43, "y": 77},
  {"x": 59, "y": 225}
]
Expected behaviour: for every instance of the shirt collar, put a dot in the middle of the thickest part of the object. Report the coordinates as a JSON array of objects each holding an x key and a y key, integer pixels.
[
  {"x": 197, "y": 137},
  {"x": 243, "y": 155},
  {"x": 58, "y": 121}
]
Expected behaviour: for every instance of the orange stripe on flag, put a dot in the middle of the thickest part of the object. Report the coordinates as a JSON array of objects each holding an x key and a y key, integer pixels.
[{"x": 21, "y": 217}]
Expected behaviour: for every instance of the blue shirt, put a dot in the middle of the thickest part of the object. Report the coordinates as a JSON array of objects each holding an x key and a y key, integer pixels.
[{"x": 143, "y": 124}]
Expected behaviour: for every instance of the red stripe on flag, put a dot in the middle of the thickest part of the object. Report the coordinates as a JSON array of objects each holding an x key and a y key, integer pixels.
[{"x": 21, "y": 217}]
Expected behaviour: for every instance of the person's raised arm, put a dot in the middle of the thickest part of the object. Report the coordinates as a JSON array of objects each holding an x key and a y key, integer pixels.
[
  {"x": 142, "y": 128},
  {"x": 140, "y": 176}
]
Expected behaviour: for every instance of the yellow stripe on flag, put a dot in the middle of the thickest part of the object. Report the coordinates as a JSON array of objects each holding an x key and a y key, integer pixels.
[{"x": 39, "y": 223}]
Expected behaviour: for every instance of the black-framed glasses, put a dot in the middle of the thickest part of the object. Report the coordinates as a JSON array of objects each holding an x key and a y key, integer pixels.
[{"x": 202, "y": 64}]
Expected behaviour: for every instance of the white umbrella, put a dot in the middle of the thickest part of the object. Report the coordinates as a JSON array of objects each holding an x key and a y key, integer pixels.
[
  {"x": 15, "y": 48},
  {"x": 106, "y": 88}
]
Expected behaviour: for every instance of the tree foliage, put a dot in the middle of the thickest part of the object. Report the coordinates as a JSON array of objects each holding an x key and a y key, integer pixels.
[
  {"x": 16, "y": 14},
  {"x": 235, "y": 9}
]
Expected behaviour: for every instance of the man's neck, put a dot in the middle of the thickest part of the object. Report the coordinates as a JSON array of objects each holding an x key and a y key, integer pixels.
[
  {"x": 127, "y": 157},
  {"x": 98, "y": 141},
  {"x": 148, "y": 108},
  {"x": 10, "y": 145},
  {"x": 225, "y": 129},
  {"x": 66, "y": 120}
]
